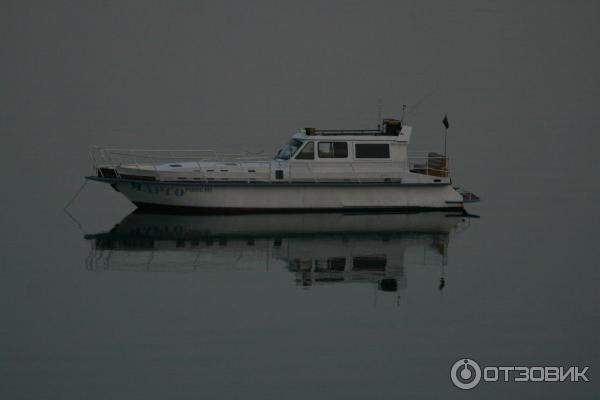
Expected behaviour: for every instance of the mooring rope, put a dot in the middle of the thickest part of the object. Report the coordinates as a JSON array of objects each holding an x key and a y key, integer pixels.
[{"x": 66, "y": 211}]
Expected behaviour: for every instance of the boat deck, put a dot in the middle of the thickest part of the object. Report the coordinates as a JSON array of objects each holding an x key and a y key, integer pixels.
[{"x": 209, "y": 166}]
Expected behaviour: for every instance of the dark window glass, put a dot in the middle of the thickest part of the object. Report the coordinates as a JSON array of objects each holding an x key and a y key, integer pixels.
[
  {"x": 340, "y": 149},
  {"x": 336, "y": 263},
  {"x": 307, "y": 153},
  {"x": 325, "y": 150},
  {"x": 372, "y": 150},
  {"x": 369, "y": 262},
  {"x": 289, "y": 150},
  {"x": 333, "y": 149},
  {"x": 330, "y": 264}
]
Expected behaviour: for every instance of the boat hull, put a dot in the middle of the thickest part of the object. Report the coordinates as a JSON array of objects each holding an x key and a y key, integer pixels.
[{"x": 252, "y": 197}]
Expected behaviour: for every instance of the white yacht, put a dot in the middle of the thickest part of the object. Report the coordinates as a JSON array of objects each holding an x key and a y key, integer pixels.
[{"x": 318, "y": 170}]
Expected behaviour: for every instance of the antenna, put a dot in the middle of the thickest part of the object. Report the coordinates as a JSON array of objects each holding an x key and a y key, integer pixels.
[
  {"x": 415, "y": 107},
  {"x": 403, "y": 113},
  {"x": 379, "y": 106}
]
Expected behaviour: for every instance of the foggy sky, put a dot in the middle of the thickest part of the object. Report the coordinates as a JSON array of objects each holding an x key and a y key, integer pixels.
[{"x": 250, "y": 73}]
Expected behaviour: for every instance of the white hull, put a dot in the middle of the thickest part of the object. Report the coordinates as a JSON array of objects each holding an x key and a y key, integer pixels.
[{"x": 273, "y": 197}]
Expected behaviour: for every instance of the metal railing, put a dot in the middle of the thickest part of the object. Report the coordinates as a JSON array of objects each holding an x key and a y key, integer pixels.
[
  {"x": 152, "y": 158},
  {"x": 428, "y": 163},
  {"x": 116, "y": 156}
]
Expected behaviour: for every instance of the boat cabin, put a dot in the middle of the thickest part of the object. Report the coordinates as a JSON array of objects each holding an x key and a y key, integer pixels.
[
  {"x": 358, "y": 155},
  {"x": 389, "y": 144}
]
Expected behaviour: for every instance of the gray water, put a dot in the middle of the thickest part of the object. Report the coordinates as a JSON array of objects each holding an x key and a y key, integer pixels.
[{"x": 236, "y": 316}]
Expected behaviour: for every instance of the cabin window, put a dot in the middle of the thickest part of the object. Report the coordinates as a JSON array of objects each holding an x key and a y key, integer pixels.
[
  {"x": 333, "y": 149},
  {"x": 307, "y": 153},
  {"x": 289, "y": 150},
  {"x": 372, "y": 150},
  {"x": 374, "y": 262}
]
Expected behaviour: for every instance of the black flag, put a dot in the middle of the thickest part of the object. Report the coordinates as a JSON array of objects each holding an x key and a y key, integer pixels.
[{"x": 445, "y": 122}]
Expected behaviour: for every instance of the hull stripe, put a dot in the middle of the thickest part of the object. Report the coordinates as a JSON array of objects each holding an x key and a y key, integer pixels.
[
  {"x": 264, "y": 184},
  {"x": 169, "y": 209}
]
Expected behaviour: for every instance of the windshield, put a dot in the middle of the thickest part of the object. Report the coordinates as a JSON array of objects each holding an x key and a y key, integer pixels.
[{"x": 289, "y": 150}]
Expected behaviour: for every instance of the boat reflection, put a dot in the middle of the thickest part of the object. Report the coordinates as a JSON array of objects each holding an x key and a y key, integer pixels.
[{"x": 317, "y": 248}]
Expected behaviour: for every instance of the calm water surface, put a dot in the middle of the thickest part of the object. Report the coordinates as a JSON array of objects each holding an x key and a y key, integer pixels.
[{"x": 264, "y": 306}]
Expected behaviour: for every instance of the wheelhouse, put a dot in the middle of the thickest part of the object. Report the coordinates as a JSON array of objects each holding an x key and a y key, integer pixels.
[{"x": 388, "y": 144}]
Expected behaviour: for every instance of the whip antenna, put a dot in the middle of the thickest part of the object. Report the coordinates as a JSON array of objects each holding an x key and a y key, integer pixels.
[{"x": 379, "y": 106}]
